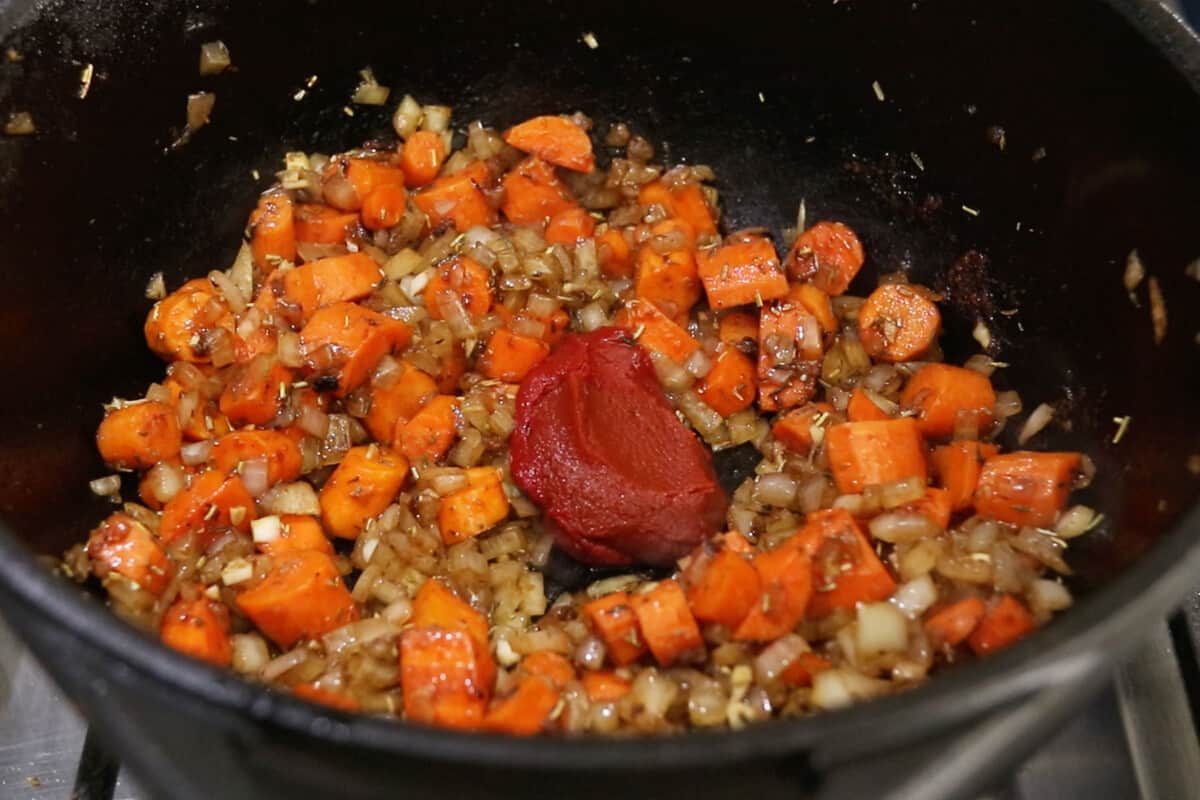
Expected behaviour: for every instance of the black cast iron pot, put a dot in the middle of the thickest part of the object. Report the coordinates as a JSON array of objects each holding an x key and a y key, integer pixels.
[{"x": 1100, "y": 108}]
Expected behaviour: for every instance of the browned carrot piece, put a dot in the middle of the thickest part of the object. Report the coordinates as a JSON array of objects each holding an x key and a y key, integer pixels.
[
  {"x": 1005, "y": 621},
  {"x": 1026, "y": 488},
  {"x": 795, "y": 428},
  {"x": 256, "y": 392},
  {"x": 384, "y": 207},
  {"x": 866, "y": 453},
  {"x": 198, "y": 628},
  {"x": 361, "y": 487},
  {"x": 957, "y": 466},
  {"x": 862, "y": 407},
  {"x": 345, "y": 341},
  {"x": 212, "y": 504},
  {"x": 666, "y": 622},
  {"x": 183, "y": 324},
  {"x": 943, "y": 396},
  {"x": 436, "y": 606},
  {"x": 205, "y": 421},
  {"x": 785, "y": 576},
  {"x": 613, "y": 619},
  {"x": 555, "y": 139},
  {"x": 125, "y": 546},
  {"x": 462, "y": 279},
  {"x": 421, "y": 157},
  {"x": 533, "y": 194},
  {"x": 815, "y": 302},
  {"x": 935, "y": 505},
  {"x": 477, "y": 508},
  {"x": 458, "y": 199},
  {"x": 547, "y": 664},
  {"x": 669, "y": 282},
  {"x": 273, "y": 231},
  {"x": 729, "y": 387},
  {"x": 441, "y": 680},
  {"x": 789, "y": 353},
  {"x": 526, "y": 711},
  {"x": 400, "y": 398},
  {"x": 616, "y": 259},
  {"x": 845, "y": 569},
  {"x": 326, "y": 697},
  {"x": 725, "y": 591},
  {"x": 321, "y": 224},
  {"x": 569, "y": 226},
  {"x": 365, "y": 175},
  {"x": 953, "y": 623},
  {"x": 656, "y": 193},
  {"x": 508, "y": 356},
  {"x": 605, "y": 686},
  {"x": 801, "y": 671},
  {"x": 297, "y": 532},
  {"x": 430, "y": 432},
  {"x": 686, "y": 202},
  {"x": 655, "y": 331},
  {"x": 739, "y": 329},
  {"x": 342, "y": 278},
  {"x": 139, "y": 435},
  {"x": 279, "y": 451},
  {"x": 741, "y": 273},
  {"x": 898, "y": 322},
  {"x": 829, "y": 254},
  {"x": 302, "y": 597}
]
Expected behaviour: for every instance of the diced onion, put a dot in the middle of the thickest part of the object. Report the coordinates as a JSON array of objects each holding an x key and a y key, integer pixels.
[
  {"x": 239, "y": 570},
  {"x": 1075, "y": 521},
  {"x": 778, "y": 656},
  {"x": 255, "y": 476},
  {"x": 592, "y": 317},
  {"x": 250, "y": 653},
  {"x": 1038, "y": 420},
  {"x": 901, "y": 492},
  {"x": 776, "y": 489},
  {"x": 199, "y": 109},
  {"x": 407, "y": 118},
  {"x": 1008, "y": 404},
  {"x": 107, "y": 486},
  {"x": 196, "y": 452},
  {"x": 881, "y": 629},
  {"x": 291, "y": 498},
  {"x": 838, "y": 688},
  {"x": 164, "y": 480},
  {"x": 437, "y": 118},
  {"x": 1048, "y": 596},
  {"x": 266, "y": 529},
  {"x": 289, "y": 660},
  {"x": 902, "y": 526},
  {"x": 214, "y": 58},
  {"x": 698, "y": 364},
  {"x": 915, "y": 597}
]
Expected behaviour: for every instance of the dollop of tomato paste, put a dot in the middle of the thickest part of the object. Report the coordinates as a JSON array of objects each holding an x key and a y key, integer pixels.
[{"x": 598, "y": 447}]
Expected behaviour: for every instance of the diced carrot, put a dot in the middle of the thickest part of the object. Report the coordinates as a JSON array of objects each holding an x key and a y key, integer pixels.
[
  {"x": 198, "y": 628},
  {"x": 815, "y": 302},
  {"x": 150, "y": 486},
  {"x": 725, "y": 590},
  {"x": 430, "y": 432},
  {"x": 125, "y": 546},
  {"x": 957, "y": 466},
  {"x": 845, "y": 569},
  {"x": 362, "y": 486},
  {"x": 273, "y": 231},
  {"x": 458, "y": 199},
  {"x": 181, "y": 326},
  {"x": 655, "y": 331},
  {"x": 786, "y": 577},
  {"x": 686, "y": 202},
  {"x": 935, "y": 505},
  {"x": 302, "y": 597},
  {"x": 677, "y": 231},
  {"x": 943, "y": 396},
  {"x": 866, "y": 453},
  {"x": 211, "y": 504},
  {"x": 256, "y": 392},
  {"x": 346, "y": 341},
  {"x": 205, "y": 420},
  {"x": 297, "y": 532},
  {"x": 656, "y": 193},
  {"x": 384, "y": 207},
  {"x": 795, "y": 428},
  {"x": 616, "y": 259},
  {"x": 953, "y": 623},
  {"x": 139, "y": 435},
  {"x": 399, "y": 398},
  {"x": 323, "y": 282},
  {"x": 364, "y": 174},
  {"x": 801, "y": 671},
  {"x": 569, "y": 226},
  {"x": 533, "y": 194},
  {"x": 829, "y": 254},
  {"x": 789, "y": 354},
  {"x": 555, "y": 139},
  {"x": 552, "y": 666},
  {"x": 862, "y": 407},
  {"x": 1026, "y": 488},
  {"x": 278, "y": 450},
  {"x": 462, "y": 279},
  {"x": 321, "y": 224},
  {"x": 605, "y": 686},
  {"x": 421, "y": 157},
  {"x": 738, "y": 329},
  {"x": 441, "y": 680},
  {"x": 729, "y": 386},
  {"x": 1006, "y": 620},
  {"x": 735, "y": 542},
  {"x": 326, "y": 697},
  {"x": 666, "y": 623},
  {"x": 613, "y": 619},
  {"x": 670, "y": 282},
  {"x": 741, "y": 273},
  {"x": 436, "y": 606},
  {"x": 288, "y": 293},
  {"x": 898, "y": 322},
  {"x": 525, "y": 712},
  {"x": 475, "y": 509},
  {"x": 260, "y": 341},
  {"x": 508, "y": 356}
]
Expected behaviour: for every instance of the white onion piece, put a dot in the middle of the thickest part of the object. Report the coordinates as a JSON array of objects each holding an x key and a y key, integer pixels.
[
  {"x": 239, "y": 570},
  {"x": 838, "y": 688},
  {"x": 1038, "y": 420},
  {"x": 776, "y": 489},
  {"x": 165, "y": 481},
  {"x": 1075, "y": 521},
  {"x": 698, "y": 364},
  {"x": 592, "y": 317},
  {"x": 266, "y": 529},
  {"x": 915, "y": 597},
  {"x": 902, "y": 526},
  {"x": 291, "y": 498},
  {"x": 881, "y": 629},
  {"x": 778, "y": 656},
  {"x": 313, "y": 421},
  {"x": 250, "y": 653},
  {"x": 1046, "y": 596},
  {"x": 255, "y": 476},
  {"x": 285, "y": 662},
  {"x": 196, "y": 452}
]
